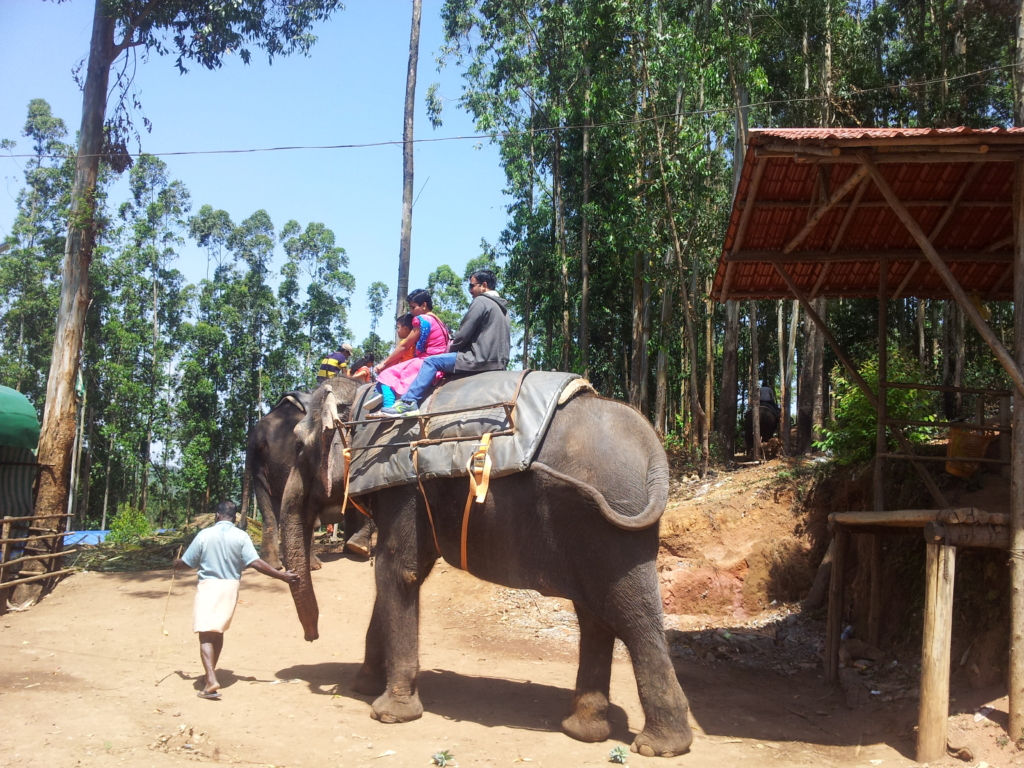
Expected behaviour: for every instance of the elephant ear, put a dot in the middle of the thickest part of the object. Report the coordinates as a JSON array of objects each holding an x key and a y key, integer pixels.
[
  {"x": 330, "y": 440},
  {"x": 306, "y": 429}
]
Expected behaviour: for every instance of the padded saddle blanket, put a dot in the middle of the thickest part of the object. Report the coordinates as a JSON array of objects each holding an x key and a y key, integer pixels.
[{"x": 382, "y": 450}]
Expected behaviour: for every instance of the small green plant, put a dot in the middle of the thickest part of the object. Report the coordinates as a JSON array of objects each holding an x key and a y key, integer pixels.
[
  {"x": 1002, "y": 741},
  {"x": 850, "y": 436},
  {"x": 442, "y": 758},
  {"x": 129, "y": 525},
  {"x": 618, "y": 755}
]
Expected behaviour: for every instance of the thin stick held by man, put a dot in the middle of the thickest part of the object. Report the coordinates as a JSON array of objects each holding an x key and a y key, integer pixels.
[{"x": 221, "y": 553}]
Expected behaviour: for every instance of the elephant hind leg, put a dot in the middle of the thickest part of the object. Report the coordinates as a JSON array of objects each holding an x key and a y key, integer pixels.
[
  {"x": 372, "y": 679},
  {"x": 666, "y": 730},
  {"x": 589, "y": 718}
]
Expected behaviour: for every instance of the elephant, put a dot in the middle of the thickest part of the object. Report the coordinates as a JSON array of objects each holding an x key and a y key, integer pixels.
[
  {"x": 581, "y": 523},
  {"x": 769, "y": 421},
  {"x": 267, "y": 466}
]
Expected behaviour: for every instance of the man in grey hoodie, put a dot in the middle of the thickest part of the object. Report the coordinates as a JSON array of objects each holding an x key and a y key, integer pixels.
[{"x": 482, "y": 343}]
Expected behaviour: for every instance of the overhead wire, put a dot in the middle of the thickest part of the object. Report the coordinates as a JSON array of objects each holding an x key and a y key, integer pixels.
[{"x": 676, "y": 115}]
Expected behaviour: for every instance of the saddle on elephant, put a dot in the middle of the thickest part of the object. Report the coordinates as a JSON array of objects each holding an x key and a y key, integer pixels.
[{"x": 501, "y": 414}]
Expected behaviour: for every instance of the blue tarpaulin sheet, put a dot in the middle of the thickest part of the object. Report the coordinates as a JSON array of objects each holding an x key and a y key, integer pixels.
[{"x": 85, "y": 537}]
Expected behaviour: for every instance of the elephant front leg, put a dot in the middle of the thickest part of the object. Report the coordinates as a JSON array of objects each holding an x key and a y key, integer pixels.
[
  {"x": 589, "y": 718},
  {"x": 398, "y": 597}
]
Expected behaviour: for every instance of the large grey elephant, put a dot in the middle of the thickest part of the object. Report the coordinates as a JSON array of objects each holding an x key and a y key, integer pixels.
[
  {"x": 581, "y": 523},
  {"x": 269, "y": 458}
]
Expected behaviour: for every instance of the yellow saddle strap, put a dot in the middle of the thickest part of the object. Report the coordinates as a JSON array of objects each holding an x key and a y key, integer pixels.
[{"x": 479, "y": 468}]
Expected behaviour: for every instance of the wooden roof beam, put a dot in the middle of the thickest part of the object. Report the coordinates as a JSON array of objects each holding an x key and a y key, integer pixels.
[
  {"x": 941, "y": 223},
  {"x": 909, "y": 157},
  {"x": 741, "y": 229},
  {"x": 838, "y": 239},
  {"x": 839, "y": 194},
  {"x": 939, "y": 265},
  {"x": 769, "y": 204},
  {"x": 996, "y": 257}
]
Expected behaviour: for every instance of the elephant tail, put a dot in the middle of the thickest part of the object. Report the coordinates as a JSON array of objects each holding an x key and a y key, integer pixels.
[
  {"x": 657, "y": 495},
  {"x": 246, "y": 487}
]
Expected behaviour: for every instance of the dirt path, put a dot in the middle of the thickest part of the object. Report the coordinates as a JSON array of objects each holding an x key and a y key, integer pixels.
[{"x": 78, "y": 674}]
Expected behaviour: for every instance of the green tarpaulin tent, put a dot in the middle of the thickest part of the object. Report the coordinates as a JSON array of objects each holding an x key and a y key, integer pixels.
[{"x": 19, "y": 425}]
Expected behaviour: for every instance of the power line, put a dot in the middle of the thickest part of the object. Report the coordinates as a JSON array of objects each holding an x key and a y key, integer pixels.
[{"x": 506, "y": 134}]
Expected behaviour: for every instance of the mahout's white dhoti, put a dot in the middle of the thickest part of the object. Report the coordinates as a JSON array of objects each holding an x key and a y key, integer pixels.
[{"x": 215, "y": 605}]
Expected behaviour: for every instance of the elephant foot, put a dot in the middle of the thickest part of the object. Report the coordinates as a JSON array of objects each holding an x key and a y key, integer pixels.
[
  {"x": 589, "y": 720},
  {"x": 369, "y": 681},
  {"x": 664, "y": 742},
  {"x": 391, "y": 708},
  {"x": 314, "y": 563},
  {"x": 359, "y": 545}
]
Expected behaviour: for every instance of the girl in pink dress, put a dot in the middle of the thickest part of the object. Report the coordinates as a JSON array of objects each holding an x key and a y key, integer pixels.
[{"x": 429, "y": 336}]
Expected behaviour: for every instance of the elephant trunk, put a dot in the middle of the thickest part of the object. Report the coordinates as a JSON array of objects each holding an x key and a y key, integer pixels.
[{"x": 297, "y": 538}]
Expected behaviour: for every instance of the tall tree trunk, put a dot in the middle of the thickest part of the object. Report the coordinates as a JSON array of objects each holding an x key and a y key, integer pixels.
[
  {"x": 709, "y": 359},
  {"x": 636, "y": 360},
  {"x": 949, "y": 398},
  {"x": 585, "y": 241},
  {"x": 699, "y": 419},
  {"x": 151, "y": 407},
  {"x": 787, "y": 409},
  {"x": 529, "y": 256},
  {"x": 809, "y": 386},
  {"x": 755, "y": 384},
  {"x": 820, "y": 381},
  {"x": 561, "y": 245},
  {"x": 85, "y": 472},
  {"x": 922, "y": 352},
  {"x": 58, "y": 430},
  {"x": 780, "y": 309},
  {"x": 661, "y": 370},
  {"x": 826, "y": 69},
  {"x": 730, "y": 380},
  {"x": 959, "y": 350},
  {"x": 645, "y": 356},
  {"x": 106, "y": 483},
  {"x": 408, "y": 134}
]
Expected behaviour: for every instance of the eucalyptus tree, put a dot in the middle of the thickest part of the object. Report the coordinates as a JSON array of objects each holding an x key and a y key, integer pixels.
[
  {"x": 155, "y": 218},
  {"x": 376, "y": 296},
  {"x": 194, "y": 32},
  {"x": 253, "y": 324},
  {"x": 408, "y": 167},
  {"x": 450, "y": 301},
  {"x": 320, "y": 322},
  {"x": 30, "y": 263}
]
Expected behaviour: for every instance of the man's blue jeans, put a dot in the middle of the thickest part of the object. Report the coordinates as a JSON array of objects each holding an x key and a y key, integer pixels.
[{"x": 425, "y": 378}]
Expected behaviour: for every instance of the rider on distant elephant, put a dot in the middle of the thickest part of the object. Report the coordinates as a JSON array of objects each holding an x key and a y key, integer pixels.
[
  {"x": 768, "y": 399},
  {"x": 482, "y": 343},
  {"x": 334, "y": 363}
]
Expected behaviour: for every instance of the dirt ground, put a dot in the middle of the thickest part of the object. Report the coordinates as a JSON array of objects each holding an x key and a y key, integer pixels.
[{"x": 87, "y": 678}]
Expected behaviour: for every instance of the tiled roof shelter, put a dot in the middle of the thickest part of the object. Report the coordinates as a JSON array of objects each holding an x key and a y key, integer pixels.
[
  {"x": 890, "y": 213},
  {"x": 806, "y": 200}
]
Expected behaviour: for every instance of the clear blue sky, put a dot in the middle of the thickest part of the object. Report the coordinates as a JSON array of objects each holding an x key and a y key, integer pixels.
[{"x": 350, "y": 89}]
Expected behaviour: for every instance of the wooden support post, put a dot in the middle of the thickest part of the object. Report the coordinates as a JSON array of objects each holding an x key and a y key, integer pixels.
[
  {"x": 834, "y": 626},
  {"x": 940, "y": 566},
  {"x": 926, "y": 478},
  {"x": 1016, "y": 672},
  {"x": 1004, "y": 434},
  {"x": 881, "y": 447},
  {"x": 1002, "y": 354}
]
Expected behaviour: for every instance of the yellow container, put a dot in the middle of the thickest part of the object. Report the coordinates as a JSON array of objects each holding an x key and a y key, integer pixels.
[{"x": 966, "y": 443}]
